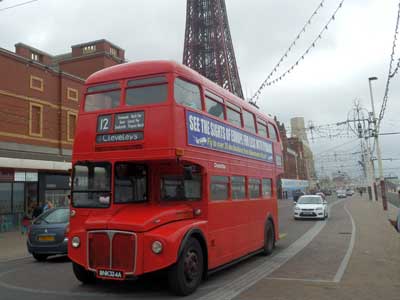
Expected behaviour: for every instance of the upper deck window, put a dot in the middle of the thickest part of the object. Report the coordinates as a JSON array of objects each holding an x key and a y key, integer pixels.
[
  {"x": 272, "y": 132},
  {"x": 146, "y": 91},
  {"x": 187, "y": 94},
  {"x": 248, "y": 119},
  {"x": 262, "y": 128},
  {"x": 215, "y": 106},
  {"x": 233, "y": 114},
  {"x": 105, "y": 100}
]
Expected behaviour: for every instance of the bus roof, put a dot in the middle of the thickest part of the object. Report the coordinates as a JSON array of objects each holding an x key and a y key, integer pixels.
[{"x": 145, "y": 68}]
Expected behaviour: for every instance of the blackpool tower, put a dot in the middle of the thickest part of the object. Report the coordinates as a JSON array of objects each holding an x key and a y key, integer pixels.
[{"x": 208, "y": 44}]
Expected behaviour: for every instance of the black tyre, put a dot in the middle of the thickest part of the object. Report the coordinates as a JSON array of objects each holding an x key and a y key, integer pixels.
[
  {"x": 185, "y": 276},
  {"x": 269, "y": 239},
  {"x": 82, "y": 274},
  {"x": 39, "y": 257}
]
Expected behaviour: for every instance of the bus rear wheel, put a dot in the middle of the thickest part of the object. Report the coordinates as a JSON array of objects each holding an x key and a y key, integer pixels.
[
  {"x": 185, "y": 276},
  {"x": 82, "y": 274},
  {"x": 269, "y": 239}
]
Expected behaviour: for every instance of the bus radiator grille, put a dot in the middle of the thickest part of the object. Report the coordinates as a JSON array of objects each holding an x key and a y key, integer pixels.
[
  {"x": 99, "y": 250},
  {"x": 123, "y": 252}
]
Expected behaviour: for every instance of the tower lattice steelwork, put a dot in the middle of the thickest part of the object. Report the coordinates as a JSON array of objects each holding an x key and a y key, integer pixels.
[{"x": 208, "y": 44}]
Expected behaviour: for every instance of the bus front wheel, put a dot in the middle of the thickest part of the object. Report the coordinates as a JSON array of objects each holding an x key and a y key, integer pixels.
[
  {"x": 82, "y": 274},
  {"x": 185, "y": 276},
  {"x": 269, "y": 238}
]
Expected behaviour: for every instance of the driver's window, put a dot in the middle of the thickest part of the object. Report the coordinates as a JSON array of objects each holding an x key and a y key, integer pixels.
[{"x": 130, "y": 183}]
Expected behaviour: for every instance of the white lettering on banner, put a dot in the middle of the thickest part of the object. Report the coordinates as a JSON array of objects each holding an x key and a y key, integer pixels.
[{"x": 213, "y": 134}]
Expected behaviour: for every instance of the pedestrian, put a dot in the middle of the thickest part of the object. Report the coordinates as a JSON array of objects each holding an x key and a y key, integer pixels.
[
  {"x": 37, "y": 211},
  {"x": 361, "y": 192},
  {"x": 48, "y": 205}
]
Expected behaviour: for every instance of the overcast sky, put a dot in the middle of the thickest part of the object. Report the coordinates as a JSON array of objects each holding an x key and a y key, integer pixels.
[{"x": 322, "y": 88}]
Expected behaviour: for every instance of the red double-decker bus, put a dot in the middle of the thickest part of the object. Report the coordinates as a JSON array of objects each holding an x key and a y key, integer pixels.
[{"x": 169, "y": 171}]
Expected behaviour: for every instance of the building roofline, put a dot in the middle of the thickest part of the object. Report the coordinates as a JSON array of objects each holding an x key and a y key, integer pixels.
[
  {"x": 91, "y": 55},
  {"x": 33, "y": 49},
  {"x": 96, "y": 42},
  {"x": 38, "y": 64}
]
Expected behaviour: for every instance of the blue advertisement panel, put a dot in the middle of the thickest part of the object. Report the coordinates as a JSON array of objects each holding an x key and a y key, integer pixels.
[{"x": 211, "y": 134}]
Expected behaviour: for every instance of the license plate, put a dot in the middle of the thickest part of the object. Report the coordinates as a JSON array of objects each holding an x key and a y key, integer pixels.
[
  {"x": 46, "y": 238},
  {"x": 308, "y": 213},
  {"x": 110, "y": 274}
]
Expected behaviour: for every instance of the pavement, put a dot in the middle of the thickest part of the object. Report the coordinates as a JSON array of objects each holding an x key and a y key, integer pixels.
[
  {"x": 12, "y": 246},
  {"x": 372, "y": 271}
]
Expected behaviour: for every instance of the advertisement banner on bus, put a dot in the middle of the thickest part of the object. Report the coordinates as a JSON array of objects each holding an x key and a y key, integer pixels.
[{"x": 209, "y": 133}]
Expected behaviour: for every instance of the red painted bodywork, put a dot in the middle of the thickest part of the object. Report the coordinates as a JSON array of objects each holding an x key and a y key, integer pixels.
[{"x": 231, "y": 228}]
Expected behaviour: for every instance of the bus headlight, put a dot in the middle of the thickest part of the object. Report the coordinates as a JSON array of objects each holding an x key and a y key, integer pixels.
[
  {"x": 76, "y": 242},
  {"x": 157, "y": 247}
]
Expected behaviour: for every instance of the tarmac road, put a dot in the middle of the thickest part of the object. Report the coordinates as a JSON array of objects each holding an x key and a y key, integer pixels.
[{"x": 309, "y": 250}]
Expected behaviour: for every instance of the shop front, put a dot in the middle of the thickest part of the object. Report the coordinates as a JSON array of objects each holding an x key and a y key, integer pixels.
[
  {"x": 22, "y": 190},
  {"x": 292, "y": 186}
]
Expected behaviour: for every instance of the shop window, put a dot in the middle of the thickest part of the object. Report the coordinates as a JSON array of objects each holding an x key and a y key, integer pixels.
[
  {"x": 36, "y": 83},
  {"x": 72, "y": 94},
  {"x": 36, "y": 120},
  {"x": 266, "y": 188},
  {"x": 219, "y": 189},
  {"x": 187, "y": 94},
  {"x": 71, "y": 125},
  {"x": 5, "y": 198},
  {"x": 18, "y": 197},
  {"x": 254, "y": 185},
  {"x": 238, "y": 187}
]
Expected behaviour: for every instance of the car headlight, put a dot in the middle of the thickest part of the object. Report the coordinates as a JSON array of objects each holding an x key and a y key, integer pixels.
[
  {"x": 75, "y": 242},
  {"x": 157, "y": 247},
  {"x": 297, "y": 208},
  {"x": 319, "y": 208}
]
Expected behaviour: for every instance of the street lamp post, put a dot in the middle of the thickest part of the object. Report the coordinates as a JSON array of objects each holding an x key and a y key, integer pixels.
[{"x": 378, "y": 148}]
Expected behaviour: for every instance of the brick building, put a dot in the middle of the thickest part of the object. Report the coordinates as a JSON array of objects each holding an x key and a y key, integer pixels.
[
  {"x": 39, "y": 99},
  {"x": 295, "y": 176}
]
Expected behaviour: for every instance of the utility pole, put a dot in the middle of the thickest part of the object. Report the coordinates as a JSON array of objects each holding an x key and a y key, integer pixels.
[{"x": 378, "y": 148}]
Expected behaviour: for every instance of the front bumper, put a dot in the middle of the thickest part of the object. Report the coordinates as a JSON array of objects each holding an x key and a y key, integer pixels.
[
  {"x": 309, "y": 215},
  {"x": 60, "y": 248}
]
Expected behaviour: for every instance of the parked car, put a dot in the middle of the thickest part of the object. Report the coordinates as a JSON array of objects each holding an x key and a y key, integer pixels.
[
  {"x": 48, "y": 234},
  {"x": 349, "y": 192},
  {"x": 341, "y": 194},
  {"x": 311, "y": 206}
]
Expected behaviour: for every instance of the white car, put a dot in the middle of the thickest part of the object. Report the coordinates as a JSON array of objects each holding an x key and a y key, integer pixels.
[
  {"x": 341, "y": 193},
  {"x": 311, "y": 206}
]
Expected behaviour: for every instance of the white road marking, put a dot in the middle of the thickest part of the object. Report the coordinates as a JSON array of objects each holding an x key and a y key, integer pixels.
[
  {"x": 300, "y": 279},
  {"x": 346, "y": 258},
  {"x": 242, "y": 283}
]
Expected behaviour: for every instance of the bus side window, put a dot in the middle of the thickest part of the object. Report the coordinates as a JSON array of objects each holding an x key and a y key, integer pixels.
[
  {"x": 266, "y": 188},
  {"x": 248, "y": 119},
  {"x": 254, "y": 186},
  {"x": 262, "y": 128},
  {"x": 219, "y": 189},
  {"x": 272, "y": 132},
  {"x": 233, "y": 114},
  {"x": 238, "y": 187},
  {"x": 187, "y": 94}
]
